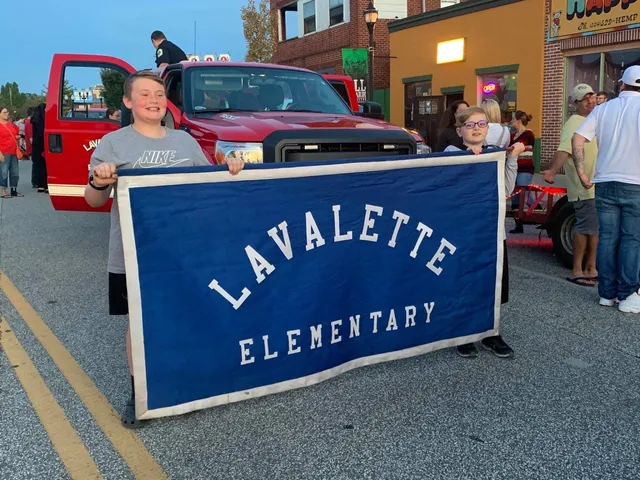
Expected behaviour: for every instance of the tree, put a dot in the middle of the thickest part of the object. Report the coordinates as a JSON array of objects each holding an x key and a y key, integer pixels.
[
  {"x": 10, "y": 96},
  {"x": 258, "y": 31},
  {"x": 113, "y": 83}
]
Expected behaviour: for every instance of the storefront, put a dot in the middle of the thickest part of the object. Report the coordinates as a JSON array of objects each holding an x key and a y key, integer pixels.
[
  {"x": 471, "y": 51},
  {"x": 585, "y": 44}
]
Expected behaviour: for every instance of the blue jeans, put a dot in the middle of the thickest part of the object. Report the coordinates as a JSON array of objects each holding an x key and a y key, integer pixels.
[
  {"x": 618, "y": 258},
  {"x": 9, "y": 170}
]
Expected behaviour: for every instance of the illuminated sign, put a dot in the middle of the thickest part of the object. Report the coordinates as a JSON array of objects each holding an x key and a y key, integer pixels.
[
  {"x": 489, "y": 88},
  {"x": 579, "y": 17},
  {"x": 450, "y": 51}
]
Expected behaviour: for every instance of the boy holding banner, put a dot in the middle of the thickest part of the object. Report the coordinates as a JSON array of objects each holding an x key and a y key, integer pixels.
[
  {"x": 145, "y": 144},
  {"x": 472, "y": 126}
]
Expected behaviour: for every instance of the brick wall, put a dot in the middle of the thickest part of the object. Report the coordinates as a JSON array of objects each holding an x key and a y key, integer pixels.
[
  {"x": 553, "y": 94},
  {"x": 414, "y": 7},
  {"x": 324, "y": 49}
]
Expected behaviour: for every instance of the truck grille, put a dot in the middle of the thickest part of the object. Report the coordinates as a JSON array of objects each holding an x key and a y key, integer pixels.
[
  {"x": 336, "y": 144},
  {"x": 334, "y": 151}
]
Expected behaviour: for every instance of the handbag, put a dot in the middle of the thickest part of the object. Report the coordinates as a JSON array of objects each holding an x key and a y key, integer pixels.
[{"x": 19, "y": 153}]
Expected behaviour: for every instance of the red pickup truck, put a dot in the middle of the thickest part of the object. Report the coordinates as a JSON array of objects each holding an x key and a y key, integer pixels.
[{"x": 270, "y": 113}]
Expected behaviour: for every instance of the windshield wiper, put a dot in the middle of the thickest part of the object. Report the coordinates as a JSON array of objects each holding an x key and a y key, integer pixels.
[
  {"x": 222, "y": 110},
  {"x": 309, "y": 111}
]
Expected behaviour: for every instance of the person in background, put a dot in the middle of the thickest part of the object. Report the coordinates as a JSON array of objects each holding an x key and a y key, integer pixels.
[
  {"x": 472, "y": 125},
  {"x": 616, "y": 124},
  {"x": 113, "y": 114},
  {"x": 9, "y": 168},
  {"x": 526, "y": 168},
  {"x": 497, "y": 135},
  {"x": 39, "y": 163},
  {"x": 448, "y": 134},
  {"x": 167, "y": 53},
  {"x": 28, "y": 140},
  {"x": 601, "y": 98},
  {"x": 585, "y": 238}
]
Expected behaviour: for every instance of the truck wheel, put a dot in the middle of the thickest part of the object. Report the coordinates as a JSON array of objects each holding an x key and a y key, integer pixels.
[{"x": 562, "y": 234}]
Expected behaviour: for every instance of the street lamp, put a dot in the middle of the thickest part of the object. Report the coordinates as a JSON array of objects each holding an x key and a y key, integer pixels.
[{"x": 370, "y": 18}]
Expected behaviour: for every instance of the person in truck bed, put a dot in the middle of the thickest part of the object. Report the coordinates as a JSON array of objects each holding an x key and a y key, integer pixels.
[
  {"x": 167, "y": 53},
  {"x": 131, "y": 147}
]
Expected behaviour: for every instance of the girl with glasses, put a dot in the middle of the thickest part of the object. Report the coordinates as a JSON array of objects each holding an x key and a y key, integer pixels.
[{"x": 472, "y": 125}]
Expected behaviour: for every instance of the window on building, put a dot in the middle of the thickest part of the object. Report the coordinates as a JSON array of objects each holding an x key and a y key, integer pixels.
[
  {"x": 615, "y": 64},
  {"x": 503, "y": 88},
  {"x": 601, "y": 71},
  {"x": 289, "y": 21},
  {"x": 448, "y": 3},
  {"x": 336, "y": 12},
  {"x": 309, "y": 16}
]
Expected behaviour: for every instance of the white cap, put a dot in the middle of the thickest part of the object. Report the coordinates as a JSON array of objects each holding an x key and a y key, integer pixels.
[
  {"x": 581, "y": 90},
  {"x": 631, "y": 76}
]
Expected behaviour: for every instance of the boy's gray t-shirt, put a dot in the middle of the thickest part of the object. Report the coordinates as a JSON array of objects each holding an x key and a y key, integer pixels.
[{"x": 127, "y": 148}]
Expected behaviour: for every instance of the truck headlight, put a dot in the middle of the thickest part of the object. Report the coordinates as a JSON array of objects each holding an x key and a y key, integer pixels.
[
  {"x": 248, "y": 152},
  {"x": 422, "y": 148}
]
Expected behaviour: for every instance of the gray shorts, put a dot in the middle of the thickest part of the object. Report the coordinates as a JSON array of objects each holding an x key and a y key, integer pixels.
[{"x": 586, "y": 217}]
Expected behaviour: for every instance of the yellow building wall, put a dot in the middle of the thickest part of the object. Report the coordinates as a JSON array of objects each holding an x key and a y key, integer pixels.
[{"x": 506, "y": 35}]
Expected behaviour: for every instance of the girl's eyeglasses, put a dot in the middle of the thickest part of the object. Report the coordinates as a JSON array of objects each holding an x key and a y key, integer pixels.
[{"x": 481, "y": 124}]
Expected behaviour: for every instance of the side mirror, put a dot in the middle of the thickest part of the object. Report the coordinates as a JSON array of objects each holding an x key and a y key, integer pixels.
[{"x": 371, "y": 110}]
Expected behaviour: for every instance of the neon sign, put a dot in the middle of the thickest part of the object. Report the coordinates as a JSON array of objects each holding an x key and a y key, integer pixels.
[{"x": 489, "y": 88}]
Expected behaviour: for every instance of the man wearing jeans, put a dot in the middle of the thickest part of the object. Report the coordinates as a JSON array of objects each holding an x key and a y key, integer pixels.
[{"x": 616, "y": 124}]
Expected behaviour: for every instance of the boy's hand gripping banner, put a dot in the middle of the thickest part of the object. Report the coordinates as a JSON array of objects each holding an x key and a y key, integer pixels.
[{"x": 290, "y": 274}]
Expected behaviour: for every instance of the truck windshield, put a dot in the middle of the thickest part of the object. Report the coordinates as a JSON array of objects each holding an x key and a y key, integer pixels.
[{"x": 251, "y": 89}]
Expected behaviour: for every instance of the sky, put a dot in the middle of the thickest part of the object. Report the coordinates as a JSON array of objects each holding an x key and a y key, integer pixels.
[{"x": 117, "y": 28}]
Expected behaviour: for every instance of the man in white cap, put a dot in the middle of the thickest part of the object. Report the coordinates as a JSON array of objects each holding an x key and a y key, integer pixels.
[
  {"x": 616, "y": 124},
  {"x": 585, "y": 238}
]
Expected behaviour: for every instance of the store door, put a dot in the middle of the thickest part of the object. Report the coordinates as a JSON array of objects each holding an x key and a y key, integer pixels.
[{"x": 423, "y": 115}]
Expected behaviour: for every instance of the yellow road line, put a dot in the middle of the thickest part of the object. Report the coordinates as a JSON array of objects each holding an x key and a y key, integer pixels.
[
  {"x": 130, "y": 448},
  {"x": 64, "y": 438}
]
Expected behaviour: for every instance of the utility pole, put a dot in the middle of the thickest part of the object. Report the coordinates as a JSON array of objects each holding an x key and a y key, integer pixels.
[{"x": 195, "y": 27}]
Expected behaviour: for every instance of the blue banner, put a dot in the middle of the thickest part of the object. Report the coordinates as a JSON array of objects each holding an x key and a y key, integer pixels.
[{"x": 286, "y": 275}]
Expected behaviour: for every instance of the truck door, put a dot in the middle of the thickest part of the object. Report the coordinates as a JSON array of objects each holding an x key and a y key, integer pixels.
[{"x": 81, "y": 88}]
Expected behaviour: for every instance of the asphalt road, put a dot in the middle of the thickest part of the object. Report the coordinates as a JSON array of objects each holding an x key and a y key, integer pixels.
[{"x": 567, "y": 406}]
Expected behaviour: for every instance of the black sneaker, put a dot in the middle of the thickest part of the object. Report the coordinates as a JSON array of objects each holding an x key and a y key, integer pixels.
[
  {"x": 498, "y": 346},
  {"x": 468, "y": 350}
]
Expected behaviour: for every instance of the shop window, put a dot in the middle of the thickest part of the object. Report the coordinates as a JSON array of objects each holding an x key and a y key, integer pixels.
[
  {"x": 503, "y": 88},
  {"x": 309, "y": 16},
  {"x": 418, "y": 89},
  {"x": 615, "y": 64},
  {"x": 601, "y": 71},
  {"x": 336, "y": 12}
]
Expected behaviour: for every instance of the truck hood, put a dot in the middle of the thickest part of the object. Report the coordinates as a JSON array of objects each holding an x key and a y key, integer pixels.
[{"x": 255, "y": 126}]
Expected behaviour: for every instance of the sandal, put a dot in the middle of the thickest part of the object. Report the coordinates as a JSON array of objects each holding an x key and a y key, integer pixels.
[
  {"x": 6, "y": 195},
  {"x": 582, "y": 281}
]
